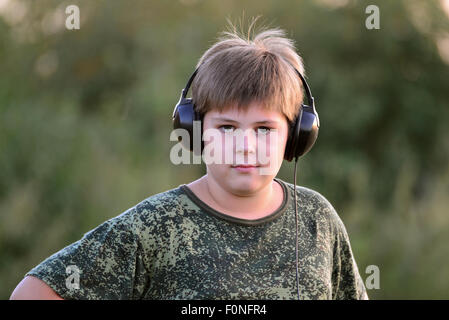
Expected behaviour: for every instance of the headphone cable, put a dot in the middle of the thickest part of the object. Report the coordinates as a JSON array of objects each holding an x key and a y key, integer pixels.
[{"x": 296, "y": 229}]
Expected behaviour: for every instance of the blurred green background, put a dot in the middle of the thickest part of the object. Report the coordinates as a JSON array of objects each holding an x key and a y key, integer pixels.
[{"x": 85, "y": 119}]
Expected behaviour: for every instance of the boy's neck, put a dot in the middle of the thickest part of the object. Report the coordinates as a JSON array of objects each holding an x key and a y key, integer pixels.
[{"x": 259, "y": 205}]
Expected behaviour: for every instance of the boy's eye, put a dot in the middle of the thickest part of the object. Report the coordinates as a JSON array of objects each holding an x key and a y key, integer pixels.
[
  {"x": 226, "y": 128},
  {"x": 263, "y": 130},
  {"x": 230, "y": 128}
]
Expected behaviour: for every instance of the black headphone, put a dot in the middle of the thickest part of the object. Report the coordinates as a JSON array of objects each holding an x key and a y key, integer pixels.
[{"x": 303, "y": 131}]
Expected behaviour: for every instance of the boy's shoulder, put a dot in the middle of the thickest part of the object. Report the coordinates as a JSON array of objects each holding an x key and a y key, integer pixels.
[
  {"x": 314, "y": 205},
  {"x": 160, "y": 200},
  {"x": 166, "y": 203},
  {"x": 307, "y": 195},
  {"x": 171, "y": 200}
]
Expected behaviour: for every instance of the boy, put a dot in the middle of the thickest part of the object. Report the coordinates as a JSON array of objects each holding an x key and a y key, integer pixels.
[{"x": 231, "y": 233}]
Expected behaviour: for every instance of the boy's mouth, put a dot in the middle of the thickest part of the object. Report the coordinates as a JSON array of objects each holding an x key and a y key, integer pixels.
[{"x": 244, "y": 166}]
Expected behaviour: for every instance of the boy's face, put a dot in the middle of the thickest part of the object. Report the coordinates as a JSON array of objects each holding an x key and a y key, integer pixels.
[{"x": 254, "y": 136}]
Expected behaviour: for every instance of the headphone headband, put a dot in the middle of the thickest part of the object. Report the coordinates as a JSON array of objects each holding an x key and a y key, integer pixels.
[{"x": 310, "y": 99}]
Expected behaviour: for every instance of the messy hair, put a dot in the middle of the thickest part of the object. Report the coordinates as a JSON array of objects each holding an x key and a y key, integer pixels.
[{"x": 237, "y": 71}]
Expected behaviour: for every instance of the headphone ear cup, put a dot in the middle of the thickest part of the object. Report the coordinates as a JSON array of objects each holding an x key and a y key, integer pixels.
[
  {"x": 293, "y": 133},
  {"x": 183, "y": 117},
  {"x": 308, "y": 132},
  {"x": 303, "y": 134}
]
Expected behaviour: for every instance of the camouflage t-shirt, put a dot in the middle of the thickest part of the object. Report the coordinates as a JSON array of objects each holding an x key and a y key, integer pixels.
[{"x": 174, "y": 246}]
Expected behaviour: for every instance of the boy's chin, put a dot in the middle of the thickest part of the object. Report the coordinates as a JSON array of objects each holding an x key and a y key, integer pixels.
[
  {"x": 244, "y": 190},
  {"x": 247, "y": 184}
]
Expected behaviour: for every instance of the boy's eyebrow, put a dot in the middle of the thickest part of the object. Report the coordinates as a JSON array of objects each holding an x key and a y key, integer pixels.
[{"x": 233, "y": 121}]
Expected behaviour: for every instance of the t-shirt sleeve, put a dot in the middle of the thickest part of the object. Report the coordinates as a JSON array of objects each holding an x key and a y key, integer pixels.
[
  {"x": 106, "y": 263},
  {"x": 346, "y": 280}
]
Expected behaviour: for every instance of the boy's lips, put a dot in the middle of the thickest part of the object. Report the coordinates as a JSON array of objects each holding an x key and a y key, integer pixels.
[{"x": 244, "y": 166}]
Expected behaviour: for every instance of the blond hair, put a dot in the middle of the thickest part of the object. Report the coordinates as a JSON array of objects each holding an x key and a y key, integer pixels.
[{"x": 238, "y": 70}]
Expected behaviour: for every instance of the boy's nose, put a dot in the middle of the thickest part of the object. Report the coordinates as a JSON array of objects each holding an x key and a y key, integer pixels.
[{"x": 246, "y": 142}]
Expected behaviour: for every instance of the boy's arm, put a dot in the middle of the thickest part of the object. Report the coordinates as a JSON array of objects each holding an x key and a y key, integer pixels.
[
  {"x": 106, "y": 263},
  {"x": 32, "y": 288}
]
